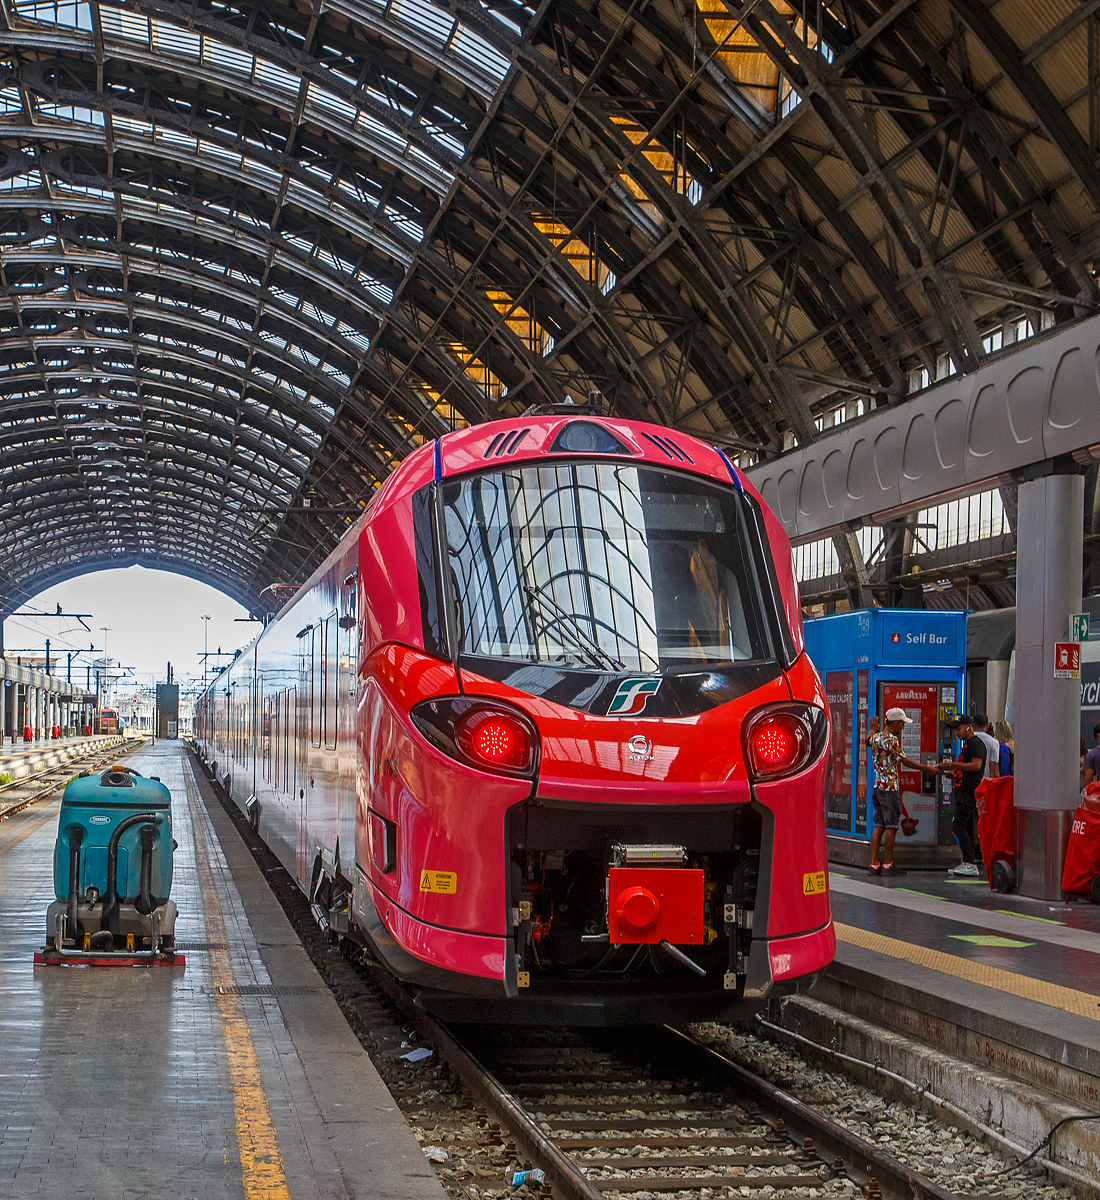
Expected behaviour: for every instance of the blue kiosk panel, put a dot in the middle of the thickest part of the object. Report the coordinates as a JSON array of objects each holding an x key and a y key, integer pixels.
[{"x": 874, "y": 659}]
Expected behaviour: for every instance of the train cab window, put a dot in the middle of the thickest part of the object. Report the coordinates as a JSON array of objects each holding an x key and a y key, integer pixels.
[{"x": 612, "y": 566}]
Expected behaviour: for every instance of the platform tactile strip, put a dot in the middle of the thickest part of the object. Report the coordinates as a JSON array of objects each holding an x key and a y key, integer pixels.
[{"x": 1083, "y": 1004}]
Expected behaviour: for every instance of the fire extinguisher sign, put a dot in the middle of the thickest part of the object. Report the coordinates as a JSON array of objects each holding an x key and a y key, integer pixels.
[{"x": 1067, "y": 660}]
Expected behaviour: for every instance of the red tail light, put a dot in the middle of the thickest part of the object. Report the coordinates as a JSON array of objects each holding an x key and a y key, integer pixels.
[
  {"x": 496, "y": 738},
  {"x": 776, "y": 742},
  {"x": 784, "y": 740},
  {"x": 485, "y": 734}
]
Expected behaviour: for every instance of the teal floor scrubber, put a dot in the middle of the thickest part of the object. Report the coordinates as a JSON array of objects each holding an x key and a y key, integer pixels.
[{"x": 113, "y": 874}]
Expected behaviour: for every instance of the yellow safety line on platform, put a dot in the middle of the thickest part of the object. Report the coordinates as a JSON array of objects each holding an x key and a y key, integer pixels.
[
  {"x": 1066, "y": 999},
  {"x": 257, "y": 1144}
]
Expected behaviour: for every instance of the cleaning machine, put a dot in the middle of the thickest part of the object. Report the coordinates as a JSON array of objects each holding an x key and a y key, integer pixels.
[{"x": 113, "y": 874}]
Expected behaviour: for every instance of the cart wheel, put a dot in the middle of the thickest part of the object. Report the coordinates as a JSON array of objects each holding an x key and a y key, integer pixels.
[
  {"x": 1094, "y": 891},
  {"x": 1004, "y": 878}
]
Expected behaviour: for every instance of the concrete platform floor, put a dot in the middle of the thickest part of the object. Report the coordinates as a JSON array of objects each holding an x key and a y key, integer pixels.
[
  {"x": 1051, "y": 941},
  {"x": 234, "y": 1077}
]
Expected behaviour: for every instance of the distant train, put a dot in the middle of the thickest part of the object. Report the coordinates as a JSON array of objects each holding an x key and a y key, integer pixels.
[
  {"x": 108, "y": 720},
  {"x": 542, "y": 732}
]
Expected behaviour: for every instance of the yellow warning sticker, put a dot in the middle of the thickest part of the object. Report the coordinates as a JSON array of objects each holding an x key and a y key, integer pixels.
[
  {"x": 439, "y": 881},
  {"x": 813, "y": 884}
]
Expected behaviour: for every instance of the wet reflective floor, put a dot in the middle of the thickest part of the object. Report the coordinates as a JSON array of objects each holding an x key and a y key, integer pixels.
[{"x": 183, "y": 1083}]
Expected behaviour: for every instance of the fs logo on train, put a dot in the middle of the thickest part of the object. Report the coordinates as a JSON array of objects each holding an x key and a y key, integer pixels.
[
  {"x": 813, "y": 884},
  {"x": 631, "y": 695},
  {"x": 439, "y": 881}
]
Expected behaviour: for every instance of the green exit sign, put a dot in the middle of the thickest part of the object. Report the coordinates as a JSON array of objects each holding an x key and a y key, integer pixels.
[{"x": 1079, "y": 627}]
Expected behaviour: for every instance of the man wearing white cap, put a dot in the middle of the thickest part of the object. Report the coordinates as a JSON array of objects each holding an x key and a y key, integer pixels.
[{"x": 886, "y": 756}]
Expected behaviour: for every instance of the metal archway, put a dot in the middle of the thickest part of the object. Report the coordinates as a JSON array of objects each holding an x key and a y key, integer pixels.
[{"x": 252, "y": 254}]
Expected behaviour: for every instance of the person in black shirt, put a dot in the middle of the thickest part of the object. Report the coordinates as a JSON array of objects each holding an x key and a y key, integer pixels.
[{"x": 968, "y": 769}]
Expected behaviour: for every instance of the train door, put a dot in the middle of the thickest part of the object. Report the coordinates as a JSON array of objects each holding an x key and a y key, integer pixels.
[
  {"x": 255, "y": 733},
  {"x": 302, "y": 736},
  {"x": 923, "y": 795},
  {"x": 330, "y": 685}
]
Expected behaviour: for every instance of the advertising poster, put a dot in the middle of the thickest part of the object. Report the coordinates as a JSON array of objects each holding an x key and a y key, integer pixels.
[
  {"x": 1090, "y": 696},
  {"x": 862, "y": 691},
  {"x": 838, "y": 794}
]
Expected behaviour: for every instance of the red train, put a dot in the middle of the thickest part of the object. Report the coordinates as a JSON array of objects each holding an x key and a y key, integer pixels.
[{"x": 541, "y": 731}]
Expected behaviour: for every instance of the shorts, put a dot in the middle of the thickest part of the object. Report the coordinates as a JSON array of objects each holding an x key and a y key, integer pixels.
[{"x": 887, "y": 806}]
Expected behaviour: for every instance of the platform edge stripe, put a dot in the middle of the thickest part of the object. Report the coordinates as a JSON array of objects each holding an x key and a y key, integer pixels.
[
  {"x": 1082, "y": 1004},
  {"x": 263, "y": 1175}
]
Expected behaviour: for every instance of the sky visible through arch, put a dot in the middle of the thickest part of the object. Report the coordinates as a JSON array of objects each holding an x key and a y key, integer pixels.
[{"x": 154, "y": 617}]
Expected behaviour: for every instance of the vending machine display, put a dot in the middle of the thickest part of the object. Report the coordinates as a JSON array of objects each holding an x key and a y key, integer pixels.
[
  {"x": 873, "y": 660},
  {"x": 919, "y": 741}
]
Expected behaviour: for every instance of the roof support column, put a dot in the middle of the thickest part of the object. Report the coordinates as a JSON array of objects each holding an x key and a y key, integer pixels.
[
  {"x": 854, "y": 570},
  {"x": 3, "y": 712},
  {"x": 1048, "y": 723}
]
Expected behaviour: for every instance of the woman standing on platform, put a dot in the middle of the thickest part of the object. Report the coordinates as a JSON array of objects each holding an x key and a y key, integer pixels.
[{"x": 1002, "y": 731}]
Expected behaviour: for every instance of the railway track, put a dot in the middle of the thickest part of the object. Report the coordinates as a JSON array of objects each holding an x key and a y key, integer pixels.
[
  {"x": 623, "y": 1113},
  {"x": 24, "y": 791},
  {"x": 601, "y": 1114}
]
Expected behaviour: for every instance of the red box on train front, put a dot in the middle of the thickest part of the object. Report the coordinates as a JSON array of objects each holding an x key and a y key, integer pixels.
[{"x": 646, "y": 905}]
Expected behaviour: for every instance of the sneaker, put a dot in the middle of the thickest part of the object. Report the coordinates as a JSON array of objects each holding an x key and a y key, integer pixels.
[
  {"x": 964, "y": 869},
  {"x": 894, "y": 869},
  {"x": 875, "y": 869}
]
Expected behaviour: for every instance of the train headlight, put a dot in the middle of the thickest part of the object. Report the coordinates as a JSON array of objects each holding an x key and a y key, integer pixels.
[
  {"x": 485, "y": 734},
  {"x": 784, "y": 739}
]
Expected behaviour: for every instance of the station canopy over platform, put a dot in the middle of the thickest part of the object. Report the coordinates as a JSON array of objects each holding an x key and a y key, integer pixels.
[{"x": 251, "y": 256}]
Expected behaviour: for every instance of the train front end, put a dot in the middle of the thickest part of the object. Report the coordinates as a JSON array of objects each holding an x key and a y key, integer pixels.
[{"x": 591, "y": 790}]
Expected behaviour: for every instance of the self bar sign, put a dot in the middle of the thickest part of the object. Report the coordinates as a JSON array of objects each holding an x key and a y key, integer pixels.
[{"x": 1067, "y": 660}]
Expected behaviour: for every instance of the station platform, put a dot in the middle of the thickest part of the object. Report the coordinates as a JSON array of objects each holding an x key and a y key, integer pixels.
[
  {"x": 25, "y": 758},
  {"x": 960, "y": 972},
  {"x": 235, "y": 1076}
]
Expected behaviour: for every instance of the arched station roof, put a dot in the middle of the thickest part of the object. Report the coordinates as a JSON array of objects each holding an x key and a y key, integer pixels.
[{"x": 250, "y": 255}]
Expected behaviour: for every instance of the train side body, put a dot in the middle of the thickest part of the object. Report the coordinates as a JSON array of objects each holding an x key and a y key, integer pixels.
[{"x": 343, "y": 731}]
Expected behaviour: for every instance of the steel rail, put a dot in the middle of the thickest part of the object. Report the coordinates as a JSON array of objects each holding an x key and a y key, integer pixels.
[
  {"x": 561, "y": 1171},
  {"x": 892, "y": 1174},
  {"x": 123, "y": 749}
]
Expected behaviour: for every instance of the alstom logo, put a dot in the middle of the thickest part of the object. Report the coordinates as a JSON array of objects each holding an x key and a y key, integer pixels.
[{"x": 630, "y": 697}]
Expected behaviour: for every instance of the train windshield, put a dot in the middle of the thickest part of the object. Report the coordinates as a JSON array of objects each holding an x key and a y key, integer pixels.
[{"x": 604, "y": 565}]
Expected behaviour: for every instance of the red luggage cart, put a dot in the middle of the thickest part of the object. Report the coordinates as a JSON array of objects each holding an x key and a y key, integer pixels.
[
  {"x": 997, "y": 831},
  {"x": 1081, "y": 874}
]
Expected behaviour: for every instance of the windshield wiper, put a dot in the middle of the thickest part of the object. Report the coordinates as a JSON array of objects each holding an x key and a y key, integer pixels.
[{"x": 581, "y": 639}]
